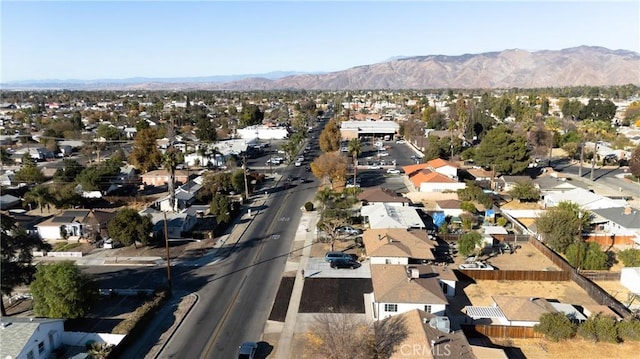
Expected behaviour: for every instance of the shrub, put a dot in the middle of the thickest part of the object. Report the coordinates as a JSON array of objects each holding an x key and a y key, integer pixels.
[
  {"x": 556, "y": 326},
  {"x": 629, "y": 330},
  {"x": 599, "y": 329},
  {"x": 587, "y": 256},
  {"x": 502, "y": 221},
  {"x": 468, "y": 207},
  {"x": 308, "y": 206},
  {"x": 630, "y": 257}
]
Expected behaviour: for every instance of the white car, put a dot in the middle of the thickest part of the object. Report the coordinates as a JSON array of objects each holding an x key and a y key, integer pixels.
[
  {"x": 298, "y": 163},
  {"x": 476, "y": 266},
  {"x": 401, "y": 141},
  {"x": 383, "y": 154},
  {"x": 393, "y": 171},
  {"x": 373, "y": 167}
]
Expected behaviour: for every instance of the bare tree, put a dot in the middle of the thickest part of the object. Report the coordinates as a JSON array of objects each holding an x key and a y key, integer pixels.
[
  {"x": 340, "y": 336},
  {"x": 389, "y": 334}
]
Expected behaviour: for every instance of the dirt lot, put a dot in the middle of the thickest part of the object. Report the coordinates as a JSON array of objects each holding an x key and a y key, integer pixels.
[
  {"x": 576, "y": 348},
  {"x": 319, "y": 249},
  {"x": 526, "y": 257},
  {"x": 480, "y": 294}
]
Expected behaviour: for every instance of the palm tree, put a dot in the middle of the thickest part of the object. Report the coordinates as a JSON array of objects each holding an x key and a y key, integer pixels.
[
  {"x": 355, "y": 149},
  {"x": 39, "y": 195},
  {"x": 324, "y": 195},
  {"x": 170, "y": 161},
  {"x": 593, "y": 130},
  {"x": 553, "y": 125}
]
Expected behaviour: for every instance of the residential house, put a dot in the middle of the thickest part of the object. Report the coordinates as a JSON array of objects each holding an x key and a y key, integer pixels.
[
  {"x": 430, "y": 336},
  {"x": 79, "y": 223},
  {"x": 383, "y": 215},
  {"x": 436, "y": 165},
  {"x": 374, "y": 195},
  {"x": 450, "y": 207},
  {"x": 177, "y": 224},
  {"x": 583, "y": 198},
  {"x": 398, "y": 289},
  {"x": 161, "y": 177},
  {"x": 429, "y": 181},
  {"x": 28, "y": 338},
  {"x": 509, "y": 182},
  {"x": 185, "y": 196},
  {"x": 8, "y": 201},
  {"x": 620, "y": 225},
  {"x": 520, "y": 311},
  {"x": 64, "y": 225},
  {"x": 397, "y": 246}
]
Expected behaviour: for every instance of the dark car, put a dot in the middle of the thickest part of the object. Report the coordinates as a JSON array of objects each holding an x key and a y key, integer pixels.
[{"x": 344, "y": 263}]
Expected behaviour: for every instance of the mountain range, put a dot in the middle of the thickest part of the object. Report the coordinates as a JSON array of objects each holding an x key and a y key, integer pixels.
[{"x": 577, "y": 66}]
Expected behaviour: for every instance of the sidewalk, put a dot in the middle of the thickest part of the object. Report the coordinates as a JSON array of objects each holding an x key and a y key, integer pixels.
[{"x": 285, "y": 343}]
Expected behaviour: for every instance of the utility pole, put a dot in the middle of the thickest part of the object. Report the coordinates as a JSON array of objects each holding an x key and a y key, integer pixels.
[
  {"x": 244, "y": 172},
  {"x": 166, "y": 243}
]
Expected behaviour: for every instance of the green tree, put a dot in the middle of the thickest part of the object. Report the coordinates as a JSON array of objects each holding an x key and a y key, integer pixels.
[
  {"x": 630, "y": 257},
  {"x": 29, "y": 173},
  {"x": 129, "y": 227},
  {"x": 559, "y": 226},
  {"x": 17, "y": 256},
  {"x": 587, "y": 256},
  {"x": 68, "y": 173},
  {"x": 629, "y": 329},
  {"x": 555, "y": 326},
  {"x": 145, "y": 155},
  {"x": 525, "y": 191},
  {"x": 598, "y": 110},
  {"x": 355, "y": 149},
  {"x": 470, "y": 243},
  {"x": 61, "y": 290},
  {"x": 599, "y": 328},
  {"x": 250, "y": 115},
  {"x": 108, "y": 132},
  {"x": 220, "y": 208},
  {"x": 39, "y": 195},
  {"x": 502, "y": 151},
  {"x": 5, "y": 157},
  {"x": 205, "y": 131},
  {"x": 330, "y": 137}
]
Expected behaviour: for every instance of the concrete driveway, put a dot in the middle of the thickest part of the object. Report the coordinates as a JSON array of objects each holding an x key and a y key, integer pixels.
[{"x": 319, "y": 268}]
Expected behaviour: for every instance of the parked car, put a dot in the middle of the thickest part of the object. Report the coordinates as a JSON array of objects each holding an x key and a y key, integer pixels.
[
  {"x": 344, "y": 263},
  {"x": 298, "y": 164},
  {"x": 476, "y": 266},
  {"x": 393, "y": 171},
  {"x": 348, "y": 230},
  {"x": 374, "y": 167},
  {"x": 401, "y": 141},
  {"x": 247, "y": 350},
  {"x": 331, "y": 256}
]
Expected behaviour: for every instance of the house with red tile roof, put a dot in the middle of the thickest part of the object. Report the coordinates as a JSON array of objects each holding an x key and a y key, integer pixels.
[
  {"x": 437, "y": 165},
  {"x": 427, "y": 180}
]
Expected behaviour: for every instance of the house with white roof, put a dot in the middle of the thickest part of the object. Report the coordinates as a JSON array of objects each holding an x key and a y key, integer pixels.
[
  {"x": 583, "y": 198},
  {"x": 383, "y": 215}
]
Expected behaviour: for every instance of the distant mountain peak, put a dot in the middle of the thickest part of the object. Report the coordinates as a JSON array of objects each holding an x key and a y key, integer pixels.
[{"x": 576, "y": 66}]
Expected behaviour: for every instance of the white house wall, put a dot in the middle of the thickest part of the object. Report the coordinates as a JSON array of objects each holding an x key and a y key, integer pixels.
[
  {"x": 49, "y": 232},
  {"x": 389, "y": 260},
  {"x": 441, "y": 187},
  {"x": 436, "y": 309},
  {"x": 48, "y": 333}
]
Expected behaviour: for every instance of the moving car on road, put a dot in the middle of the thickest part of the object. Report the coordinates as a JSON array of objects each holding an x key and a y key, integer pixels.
[{"x": 393, "y": 171}]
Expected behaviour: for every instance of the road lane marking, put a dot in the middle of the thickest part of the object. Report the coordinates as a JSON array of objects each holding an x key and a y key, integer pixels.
[{"x": 216, "y": 332}]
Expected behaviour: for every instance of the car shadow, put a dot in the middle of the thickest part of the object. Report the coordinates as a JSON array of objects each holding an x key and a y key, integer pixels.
[{"x": 264, "y": 350}]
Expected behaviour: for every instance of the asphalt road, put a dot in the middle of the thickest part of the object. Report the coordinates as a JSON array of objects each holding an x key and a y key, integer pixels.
[
  {"x": 606, "y": 176},
  {"x": 236, "y": 293}
]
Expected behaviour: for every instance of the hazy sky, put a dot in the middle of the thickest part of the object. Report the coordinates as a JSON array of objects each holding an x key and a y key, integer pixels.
[{"x": 122, "y": 39}]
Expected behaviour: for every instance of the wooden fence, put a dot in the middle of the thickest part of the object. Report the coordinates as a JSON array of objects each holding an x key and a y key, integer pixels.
[
  {"x": 596, "y": 293},
  {"x": 543, "y": 276},
  {"x": 600, "y": 275},
  {"x": 499, "y": 331}
]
